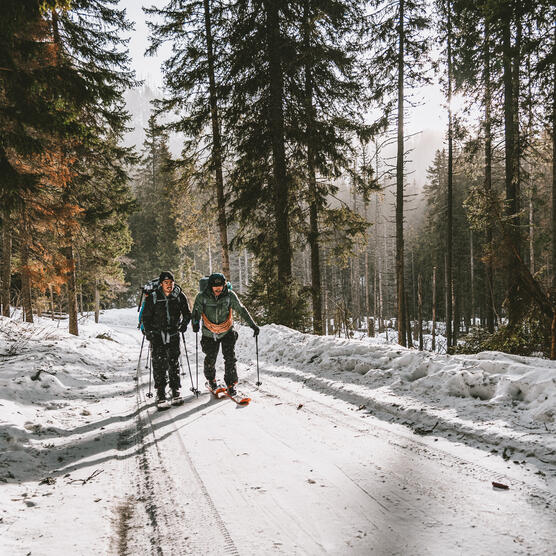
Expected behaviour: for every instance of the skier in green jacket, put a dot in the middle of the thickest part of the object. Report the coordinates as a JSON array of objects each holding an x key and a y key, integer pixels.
[{"x": 214, "y": 306}]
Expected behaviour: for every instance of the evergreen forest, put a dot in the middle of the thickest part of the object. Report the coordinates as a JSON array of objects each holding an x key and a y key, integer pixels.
[{"x": 293, "y": 173}]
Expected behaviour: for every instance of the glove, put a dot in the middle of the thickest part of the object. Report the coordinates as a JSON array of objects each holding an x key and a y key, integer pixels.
[
  {"x": 195, "y": 327},
  {"x": 256, "y": 330},
  {"x": 149, "y": 335},
  {"x": 183, "y": 326}
]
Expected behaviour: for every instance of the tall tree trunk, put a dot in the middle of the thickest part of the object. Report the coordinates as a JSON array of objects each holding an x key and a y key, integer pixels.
[
  {"x": 367, "y": 292},
  {"x": 6, "y": 263},
  {"x": 472, "y": 278},
  {"x": 449, "y": 201},
  {"x": 511, "y": 165},
  {"x": 420, "y": 310},
  {"x": 51, "y": 301},
  {"x": 280, "y": 177},
  {"x": 246, "y": 268},
  {"x": 71, "y": 287},
  {"x": 97, "y": 301},
  {"x": 316, "y": 287},
  {"x": 240, "y": 270},
  {"x": 216, "y": 143},
  {"x": 553, "y": 222},
  {"x": 26, "y": 301},
  {"x": 433, "y": 309},
  {"x": 402, "y": 330},
  {"x": 488, "y": 182}
]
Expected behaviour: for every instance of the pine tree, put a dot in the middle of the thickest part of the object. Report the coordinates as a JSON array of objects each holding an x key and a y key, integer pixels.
[
  {"x": 153, "y": 227},
  {"x": 193, "y": 76},
  {"x": 91, "y": 60},
  {"x": 333, "y": 99}
]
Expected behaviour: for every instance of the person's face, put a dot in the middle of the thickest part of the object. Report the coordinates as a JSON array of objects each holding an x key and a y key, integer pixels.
[
  {"x": 217, "y": 290},
  {"x": 167, "y": 286}
]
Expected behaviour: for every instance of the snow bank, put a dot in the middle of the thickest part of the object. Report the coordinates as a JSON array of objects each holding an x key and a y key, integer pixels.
[
  {"x": 491, "y": 396},
  {"x": 62, "y": 418}
]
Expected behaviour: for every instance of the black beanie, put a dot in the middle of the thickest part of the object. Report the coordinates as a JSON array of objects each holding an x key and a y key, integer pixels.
[
  {"x": 165, "y": 275},
  {"x": 216, "y": 279}
]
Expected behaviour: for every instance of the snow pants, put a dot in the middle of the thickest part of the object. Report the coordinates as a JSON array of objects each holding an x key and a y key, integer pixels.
[
  {"x": 166, "y": 366},
  {"x": 210, "y": 349}
]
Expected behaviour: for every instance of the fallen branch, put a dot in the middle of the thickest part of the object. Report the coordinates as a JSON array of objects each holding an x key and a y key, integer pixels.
[{"x": 90, "y": 477}]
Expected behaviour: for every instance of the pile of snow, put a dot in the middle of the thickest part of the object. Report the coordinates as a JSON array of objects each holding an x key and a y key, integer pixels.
[
  {"x": 492, "y": 397},
  {"x": 66, "y": 410}
]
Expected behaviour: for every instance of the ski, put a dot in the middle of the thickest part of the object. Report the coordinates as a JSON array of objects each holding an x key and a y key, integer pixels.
[
  {"x": 177, "y": 401},
  {"x": 239, "y": 398},
  {"x": 216, "y": 392}
]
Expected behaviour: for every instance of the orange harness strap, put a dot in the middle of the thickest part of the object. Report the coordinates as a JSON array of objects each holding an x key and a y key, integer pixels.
[{"x": 219, "y": 328}]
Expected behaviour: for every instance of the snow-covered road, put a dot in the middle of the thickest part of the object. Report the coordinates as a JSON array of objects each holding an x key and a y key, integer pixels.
[{"x": 304, "y": 469}]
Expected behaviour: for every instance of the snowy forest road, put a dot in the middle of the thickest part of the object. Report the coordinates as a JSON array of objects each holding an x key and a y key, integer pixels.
[{"x": 294, "y": 474}]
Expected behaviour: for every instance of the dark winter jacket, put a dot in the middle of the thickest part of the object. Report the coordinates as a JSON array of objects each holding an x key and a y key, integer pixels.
[
  {"x": 217, "y": 310},
  {"x": 163, "y": 314}
]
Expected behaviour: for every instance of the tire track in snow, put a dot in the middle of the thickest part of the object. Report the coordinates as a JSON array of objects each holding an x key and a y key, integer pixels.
[{"x": 155, "y": 508}]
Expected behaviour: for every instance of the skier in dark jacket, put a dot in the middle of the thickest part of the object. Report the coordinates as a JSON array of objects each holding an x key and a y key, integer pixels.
[
  {"x": 165, "y": 315},
  {"x": 214, "y": 307}
]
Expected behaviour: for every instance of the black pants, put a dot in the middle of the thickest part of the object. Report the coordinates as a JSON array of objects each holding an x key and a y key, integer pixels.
[
  {"x": 166, "y": 366},
  {"x": 210, "y": 349}
]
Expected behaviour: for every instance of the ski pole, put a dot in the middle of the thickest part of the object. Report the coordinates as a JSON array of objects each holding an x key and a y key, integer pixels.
[
  {"x": 197, "y": 360},
  {"x": 258, "y": 383},
  {"x": 193, "y": 389},
  {"x": 149, "y": 393},
  {"x": 148, "y": 357},
  {"x": 140, "y": 354}
]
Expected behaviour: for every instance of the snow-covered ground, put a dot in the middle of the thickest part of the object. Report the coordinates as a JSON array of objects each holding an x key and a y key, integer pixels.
[{"x": 348, "y": 447}]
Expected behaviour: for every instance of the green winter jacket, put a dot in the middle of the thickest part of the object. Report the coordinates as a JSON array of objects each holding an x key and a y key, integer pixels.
[{"x": 217, "y": 310}]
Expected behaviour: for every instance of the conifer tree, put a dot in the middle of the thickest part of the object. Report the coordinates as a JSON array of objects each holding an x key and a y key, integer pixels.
[
  {"x": 193, "y": 76},
  {"x": 398, "y": 60},
  {"x": 333, "y": 99},
  {"x": 153, "y": 227}
]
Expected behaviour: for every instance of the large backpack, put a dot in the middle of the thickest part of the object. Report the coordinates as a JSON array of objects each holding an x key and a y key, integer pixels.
[
  {"x": 203, "y": 283},
  {"x": 148, "y": 289}
]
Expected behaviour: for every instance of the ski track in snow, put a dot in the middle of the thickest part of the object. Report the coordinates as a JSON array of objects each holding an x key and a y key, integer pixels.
[{"x": 316, "y": 464}]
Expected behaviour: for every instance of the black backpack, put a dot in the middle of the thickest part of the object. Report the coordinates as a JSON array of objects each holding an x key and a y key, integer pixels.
[{"x": 148, "y": 289}]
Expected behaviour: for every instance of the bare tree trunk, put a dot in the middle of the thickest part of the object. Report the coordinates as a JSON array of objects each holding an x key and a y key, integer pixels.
[
  {"x": 488, "y": 181},
  {"x": 457, "y": 316},
  {"x": 6, "y": 264},
  {"x": 367, "y": 294},
  {"x": 433, "y": 309},
  {"x": 420, "y": 310},
  {"x": 472, "y": 270},
  {"x": 51, "y": 301},
  {"x": 408, "y": 323},
  {"x": 71, "y": 287},
  {"x": 240, "y": 273},
  {"x": 553, "y": 222},
  {"x": 209, "y": 246},
  {"x": 402, "y": 330},
  {"x": 25, "y": 274},
  {"x": 314, "y": 235},
  {"x": 97, "y": 301},
  {"x": 511, "y": 164},
  {"x": 216, "y": 143},
  {"x": 79, "y": 278},
  {"x": 449, "y": 201},
  {"x": 246, "y": 268},
  {"x": 413, "y": 286}
]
